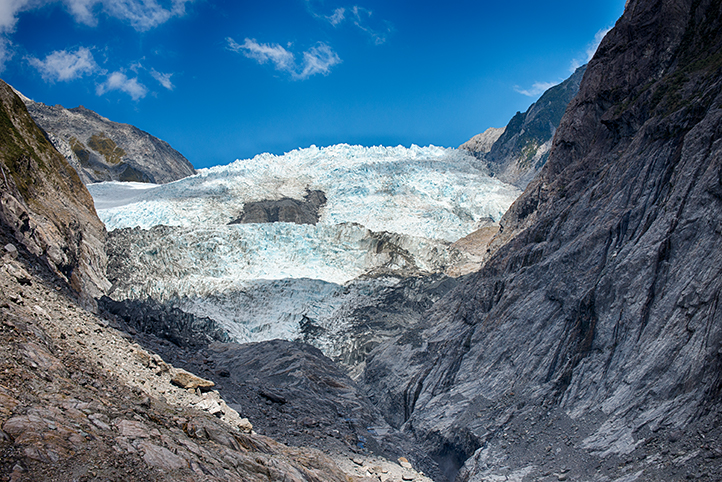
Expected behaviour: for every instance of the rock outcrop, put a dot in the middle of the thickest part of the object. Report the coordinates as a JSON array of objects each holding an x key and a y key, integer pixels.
[
  {"x": 45, "y": 205},
  {"x": 522, "y": 147},
  {"x": 481, "y": 144},
  {"x": 588, "y": 346},
  {"x": 285, "y": 210},
  {"x": 102, "y": 150}
]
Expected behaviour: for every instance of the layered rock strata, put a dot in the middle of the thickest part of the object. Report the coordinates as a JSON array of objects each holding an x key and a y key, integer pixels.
[{"x": 597, "y": 318}]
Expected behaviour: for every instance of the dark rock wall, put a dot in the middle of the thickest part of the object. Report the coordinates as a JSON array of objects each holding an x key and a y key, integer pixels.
[
  {"x": 603, "y": 294},
  {"x": 523, "y": 147}
]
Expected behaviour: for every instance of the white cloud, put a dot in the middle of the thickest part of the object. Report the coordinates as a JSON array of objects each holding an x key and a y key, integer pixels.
[
  {"x": 590, "y": 50},
  {"x": 9, "y": 10},
  {"x": 337, "y": 17},
  {"x": 536, "y": 89},
  {"x": 274, "y": 53},
  {"x": 141, "y": 14},
  {"x": 119, "y": 81},
  {"x": 6, "y": 52},
  {"x": 62, "y": 65},
  {"x": 163, "y": 79},
  {"x": 316, "y": 60},
  {"x": 362, "y": 18}
]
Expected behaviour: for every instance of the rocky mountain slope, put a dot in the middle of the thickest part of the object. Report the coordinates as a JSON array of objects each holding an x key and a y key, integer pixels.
[
  {"x": 588, "y": 347},
  {"x": 516, "y": 153},
  {"x": 44, "y": 203},
  {"x": 102, "y": 150},
  {"x": 80, "y": 399}
]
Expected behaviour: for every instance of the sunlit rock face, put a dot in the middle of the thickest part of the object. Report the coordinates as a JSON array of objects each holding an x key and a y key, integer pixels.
[
  {"x": 382, "y": 215},
  {"x": 102, "y": 150}
]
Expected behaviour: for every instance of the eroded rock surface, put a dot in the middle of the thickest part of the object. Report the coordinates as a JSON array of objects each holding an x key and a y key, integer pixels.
[
  {"x": 45, "y": 205},
  {"x": 79, "y": 400},
  {"x": 596, "y": 319},
  {"x": 520, "y": 149},
  {"x": 103, "y": 150}
]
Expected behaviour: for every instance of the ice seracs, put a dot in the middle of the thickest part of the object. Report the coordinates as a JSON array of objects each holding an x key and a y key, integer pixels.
[{"x": 390, "y": 212}]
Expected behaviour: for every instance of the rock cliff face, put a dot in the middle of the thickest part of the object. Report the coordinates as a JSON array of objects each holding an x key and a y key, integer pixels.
[
  {"x": 44, "y": 203},
  {"x": 589, "y": 345},
  {"x": 520, "y": 149},
  {"x": 102, "y": 150}
]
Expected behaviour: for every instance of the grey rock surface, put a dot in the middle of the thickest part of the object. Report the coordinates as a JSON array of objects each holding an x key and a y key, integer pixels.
[
  {"x": 590, "y": 340},
  {"x": 285, "y": 210},
  {"x": 522, "y": 147},
  {"x": 481, "y": 143},
  {"x": 103, "y": 150},
  {"x": 44, "y": 204}
]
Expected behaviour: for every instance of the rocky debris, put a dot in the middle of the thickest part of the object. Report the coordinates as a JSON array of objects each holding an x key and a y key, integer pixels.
[
  {"x": 591, "y": 337},
  {"x": 44, "y": 204},
  {"x": 293, "y": 394},
  {"x": 285, "y": 210},
  {"x": 522, "y": 147},
  {"x": 80, "y": 401},
  {"x": 102, "y": 150},
  {"x": 184, "y": 379}
]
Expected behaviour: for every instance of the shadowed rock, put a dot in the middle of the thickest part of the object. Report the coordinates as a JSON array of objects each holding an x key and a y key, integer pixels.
[{"x": 285, "y": 210}]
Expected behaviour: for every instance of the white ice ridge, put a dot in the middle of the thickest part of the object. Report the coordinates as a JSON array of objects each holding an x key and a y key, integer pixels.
[{"x": 428, "y": 192}]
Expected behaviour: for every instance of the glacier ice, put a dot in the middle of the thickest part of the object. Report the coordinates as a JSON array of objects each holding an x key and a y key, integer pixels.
[
  {"x": 430, "y": 192},
  {"x": 390, "y": 211}
]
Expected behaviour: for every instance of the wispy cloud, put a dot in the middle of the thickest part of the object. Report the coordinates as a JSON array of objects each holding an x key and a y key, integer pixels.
[
  {"x": 163, "y": 79},
  {"x": 6, "y": 52},
  {"x": 536, "y": 89},
  {"x": 539, "y": 88},
  {"x": 120, "y": 81},
  {"x": 378, "y": 32},
  {"x": 316, "y": 60},
  {"x": 590, "y": 50},
  {"x": 142, "y": 15},
  {"x": 63, "y": 65},
  {"x": 362, "y": 18},
  {"x": 337, "y": 17},
  {"x": 281, "y": 58}
]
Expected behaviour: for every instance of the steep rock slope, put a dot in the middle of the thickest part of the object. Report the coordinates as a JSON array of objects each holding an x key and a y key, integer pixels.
[
  {"x": 522, "y": 147},
  {"x": 80, "y": 401},
  {"x": 44, "y": 203},
  {"x": 102, "y": 150},
  {"x": 589, "y": 344}
]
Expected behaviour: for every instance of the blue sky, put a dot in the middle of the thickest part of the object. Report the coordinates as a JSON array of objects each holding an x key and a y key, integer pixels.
[{"x": 222, "y": 80}]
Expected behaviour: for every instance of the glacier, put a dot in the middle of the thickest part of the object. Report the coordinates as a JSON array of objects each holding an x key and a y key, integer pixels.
[{"x": 391, "y": 213}]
